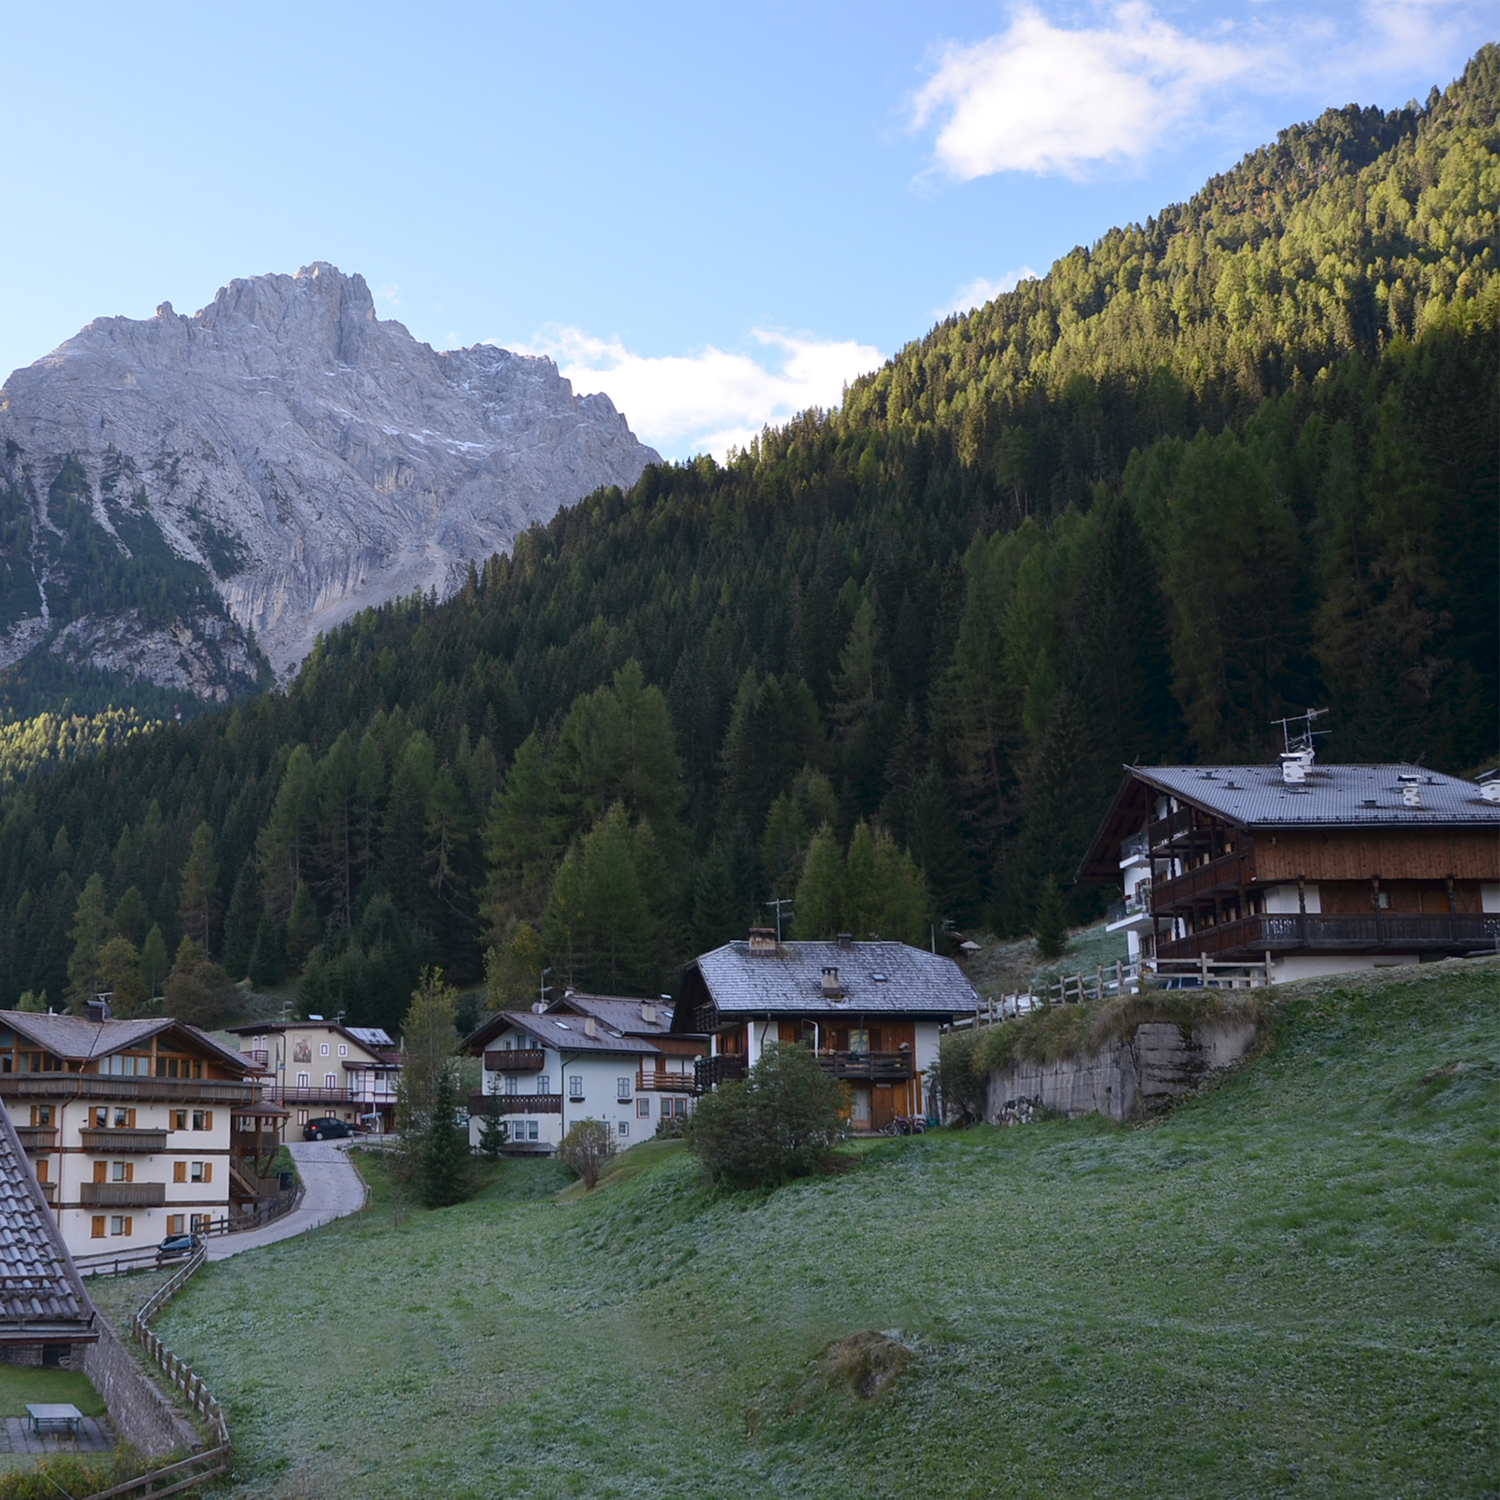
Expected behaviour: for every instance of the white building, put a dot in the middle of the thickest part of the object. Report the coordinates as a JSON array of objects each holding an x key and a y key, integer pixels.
[
  {"x": 593, "y": 1057},
  {"x": 316, "y": 1068}
]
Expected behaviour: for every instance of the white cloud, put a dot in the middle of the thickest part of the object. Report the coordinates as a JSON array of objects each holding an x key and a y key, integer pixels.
[
  {"x": 981, "y": 290},
  {"x": 1044, "y": 99},
  {"x": 713, "y": 400},
  {"x": 389, "y": 293}
]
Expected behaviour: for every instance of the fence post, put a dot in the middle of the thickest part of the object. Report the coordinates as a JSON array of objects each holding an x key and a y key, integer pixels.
[
  {"x": 1119, "y": 977},
  {"x": 1203, "y": 970}
]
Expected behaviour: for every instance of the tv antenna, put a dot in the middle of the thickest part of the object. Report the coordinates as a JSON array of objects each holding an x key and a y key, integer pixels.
[
  {"x": 776, "y": 904},
  {"x": 1298, "y": 739}
]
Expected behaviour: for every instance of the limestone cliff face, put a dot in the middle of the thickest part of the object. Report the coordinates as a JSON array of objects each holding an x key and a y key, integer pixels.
[{"x": 295, "y": 455}]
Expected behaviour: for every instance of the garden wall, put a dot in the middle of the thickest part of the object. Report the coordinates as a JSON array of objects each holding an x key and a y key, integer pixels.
[
  {"x": 1123, "y": 1080},
  {"x": 143, "y": 1415}
]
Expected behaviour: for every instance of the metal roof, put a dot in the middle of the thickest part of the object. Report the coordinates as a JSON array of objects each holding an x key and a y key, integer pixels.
[
  {"x": 1346, "y": 795},
  {"x": 563, "y": 1033},
  {"x": 41, "y": 1295},
  {"x": 80, "y": 1039},
  {"x": 886, "y": 977}
]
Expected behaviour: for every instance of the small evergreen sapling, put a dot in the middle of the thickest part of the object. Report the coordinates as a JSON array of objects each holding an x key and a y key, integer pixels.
[
  {"x": 494, "y": 1132},
  {"x": 444, "y": 1175}
]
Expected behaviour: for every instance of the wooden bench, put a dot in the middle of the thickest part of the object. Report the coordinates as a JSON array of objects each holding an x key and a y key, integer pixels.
[{"x": 55, "y": 1417}]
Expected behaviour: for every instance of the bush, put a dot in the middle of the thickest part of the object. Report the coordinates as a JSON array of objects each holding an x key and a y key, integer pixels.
[
  {"x": 776, "y": 1125},
  {"x": 585, "y": 1149}
]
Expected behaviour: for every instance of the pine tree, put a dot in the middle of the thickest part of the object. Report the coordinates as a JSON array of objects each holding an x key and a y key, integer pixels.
[
  {"x": 446, "y": 1174},
  {"x": 89, "y": 933},
  {"x": 1051, "y": 926},
  {"x": 242, "y": 920},
  {"x": 494, "y": 1131},
  {"x": 820, "y": 892},
  {"x": 197, "y": 895},
  {"x": 301, "y": 928},
  {"x": 268, "y": 954},
  {"x": 154, "y": 962}
]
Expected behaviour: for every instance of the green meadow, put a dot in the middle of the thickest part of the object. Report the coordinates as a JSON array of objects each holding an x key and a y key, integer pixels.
[{"x": 1287, "y": 1286}]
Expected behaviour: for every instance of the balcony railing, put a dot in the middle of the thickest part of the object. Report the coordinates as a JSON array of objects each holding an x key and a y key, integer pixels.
[
  {"x": 1135, "y": 847},
  {"x": 49, "y": 1191},
  {"x": 123, "y": 1194},
  {"x": 37, "y": 1137},
  {"x": 1228, "y": 872},
  {"x": 516, "y": 1104},
  {"x": 354, "y": 1095},
  {"x": 158, "y": 1090},
  {"x": 1408, "y": 932},
  {"x": 123, "y": 1140},
  {"x": 257, "y": 1057},
  {"x": 875, "y": 1067},
  {"x": 663, "y": 1081},
  {"x": 726, "y": 1068},
  {"x": 517, "y": 1060}
]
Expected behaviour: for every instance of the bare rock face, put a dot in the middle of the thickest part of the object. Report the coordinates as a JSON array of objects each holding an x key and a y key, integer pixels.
[{"x": 272, "y": 464}]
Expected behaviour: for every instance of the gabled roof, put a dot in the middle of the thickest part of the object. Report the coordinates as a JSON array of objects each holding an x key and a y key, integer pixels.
[
  {"x": 81, "y": 1040},
  {"x": 561, "y": 1032},
  {"x": 41, "y": 1295},
  {"x": 1251, "y": 797},
  {"x": 359, "y": 1035},
  {"x": 618, "y": 1013},
  {"x": 880, "y": 977}
]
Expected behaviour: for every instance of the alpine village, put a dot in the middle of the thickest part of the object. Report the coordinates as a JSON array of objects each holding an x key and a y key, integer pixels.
[{"x": 955, "y": 952}]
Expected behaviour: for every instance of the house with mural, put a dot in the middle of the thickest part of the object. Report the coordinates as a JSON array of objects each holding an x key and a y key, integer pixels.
[
  {"x": 318, "y": 1068},
  {"x": 872, "y": 1012}
]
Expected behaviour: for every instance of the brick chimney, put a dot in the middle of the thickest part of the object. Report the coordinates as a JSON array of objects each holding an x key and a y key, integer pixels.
[{"x": 763, "y": 941}]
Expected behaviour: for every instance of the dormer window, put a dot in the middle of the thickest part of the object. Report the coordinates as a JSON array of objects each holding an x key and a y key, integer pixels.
[{"x": 833, "y": 989}]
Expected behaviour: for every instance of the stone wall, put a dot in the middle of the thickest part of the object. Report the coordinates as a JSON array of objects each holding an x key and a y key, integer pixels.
[
  {"x": 143, "y": 1414},
  {"x": 1124, "y": 1080}
]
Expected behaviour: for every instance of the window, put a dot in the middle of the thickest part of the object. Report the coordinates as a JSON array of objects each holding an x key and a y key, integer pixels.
[
  {"x": 512, "y": 1083},
  {"x": 622, "y": 1088},
  {"x": 343, "y": 1049},
  {"x": 175, "y": 1223},
  {"x": 324, "y": 1049},
  {"x": 302, "y": 1117},
  {"x": 202, "y": 1171},
  {"x": 531, "y": 1131},
  {"x": 643, "y": 1107},
  {"x": 203, "y": 1119},
  {"x": 199, "y": 1223},
  {"x": 41, "y": 1114},
  {"x": 624, "y": 1127},
  {"x": 121, "y": 1224},
  {"x": 122, "y": 1171},
  {"x": 330, "y": 1081},
  {"x": 179, "y": 1171},
  {"x": 96, "y": 1230},
  {"x": 304, "y": 1080},
  {"x": 124, "y": 1119},
  {"x": 575, "y": 1087},
  {"x": 543, "y": 1084},
  {"x": 679, "y": 1107},
  {"x": 179, "y": 1119}
]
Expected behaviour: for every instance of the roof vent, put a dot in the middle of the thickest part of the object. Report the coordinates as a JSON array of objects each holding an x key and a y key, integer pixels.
[
  {"x": 590, "y": 1026},
  {"x": 648, "y": 1013},
  {"x": 1295, "y": 764},
  {"x": 832, "y": 988},
  {"x": 763, "y": 940},
  {"x": 1489, "y": 786},
  {"x": 1411, "y": 790},
  {"x": 846, "y": 940}
]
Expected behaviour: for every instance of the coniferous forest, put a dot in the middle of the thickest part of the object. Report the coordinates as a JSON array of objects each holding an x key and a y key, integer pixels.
[{"x": 1232, "y": 463}]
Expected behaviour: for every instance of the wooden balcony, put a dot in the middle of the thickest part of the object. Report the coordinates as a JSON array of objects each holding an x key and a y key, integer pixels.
[
  {"x": 37, "y": 1137},
  {"x": 49, "y": 1191},
  {"x": 194, "y": 1091},
  {"x": 1341, "y": 932},
  {"x": 516, "y": 1104},
  {"x": 517, "y": 1060},
  {"x": 872, "y": 1067},
  {"x": 726, "y": 1068},
  {"x": 661, "y": 1081},
  {"x": 123, "y": 1194},
  {"x": 123, "y": 1140},
  {"x": 1230, "y": 872}
]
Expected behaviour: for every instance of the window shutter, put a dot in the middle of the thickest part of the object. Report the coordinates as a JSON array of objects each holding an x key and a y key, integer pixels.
[
  {"x": 208, "y": 1171},
  {"x": 97, "y": 1229},
  {"x": 100, "y": 1169},
  {"x": 179, "y": 1171}
]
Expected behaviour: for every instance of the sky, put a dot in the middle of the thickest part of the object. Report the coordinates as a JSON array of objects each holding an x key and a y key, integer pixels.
[{"x": 717, "y": 213}]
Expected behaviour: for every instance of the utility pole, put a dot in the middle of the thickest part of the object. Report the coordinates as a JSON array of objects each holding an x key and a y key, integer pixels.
[{"x": 777, "y": 904}]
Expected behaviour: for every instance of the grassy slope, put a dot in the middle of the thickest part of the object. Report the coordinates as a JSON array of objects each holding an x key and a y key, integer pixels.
[{"x": 1288, "y": 1286}]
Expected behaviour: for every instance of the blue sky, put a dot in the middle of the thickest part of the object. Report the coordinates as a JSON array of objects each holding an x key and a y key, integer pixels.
[{"x": 717, "y": 213}]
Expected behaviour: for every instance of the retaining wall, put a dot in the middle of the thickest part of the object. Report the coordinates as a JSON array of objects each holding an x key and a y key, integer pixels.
[
  {"x": 1124, "y": 1080},
  {"x": 143, "y": 1415}
]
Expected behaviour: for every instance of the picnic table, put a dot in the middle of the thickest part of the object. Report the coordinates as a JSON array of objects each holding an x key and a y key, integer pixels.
[{"x": 54, "y": 1416}]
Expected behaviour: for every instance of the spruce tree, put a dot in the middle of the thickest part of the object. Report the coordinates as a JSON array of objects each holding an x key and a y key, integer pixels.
[
  {"x": 242, "y": 920},
  {"x": 1051, "y": 926},
  {"x": 90, "y": 931},
  {"x": 301, "y": 928},
  {"x": 820, "y": 892},
  {"x": 154, "y": 961},
  {"x": 445, "y": 1176},
  {"x": 197, "y": 894},
  {"x": 268, "y": 954}
]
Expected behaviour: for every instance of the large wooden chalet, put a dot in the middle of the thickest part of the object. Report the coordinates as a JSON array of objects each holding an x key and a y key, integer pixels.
[
  {"x": 871, "y": 1012},
  {"x": 1303, "y": 868}
]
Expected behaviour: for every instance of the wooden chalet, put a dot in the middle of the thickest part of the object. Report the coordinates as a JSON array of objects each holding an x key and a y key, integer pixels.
[
  {"x": 871, "y": 1012},
  {"x": 1301, "y": 867}
]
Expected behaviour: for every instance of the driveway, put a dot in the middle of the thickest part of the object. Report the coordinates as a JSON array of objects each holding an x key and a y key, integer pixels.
[{"x": 332, "y": 1189}]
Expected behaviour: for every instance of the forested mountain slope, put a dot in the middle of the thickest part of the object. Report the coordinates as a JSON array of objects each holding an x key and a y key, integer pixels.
[{"x": 1233, "y": 463}]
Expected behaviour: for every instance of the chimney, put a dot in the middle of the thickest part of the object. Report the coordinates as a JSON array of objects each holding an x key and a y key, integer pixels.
[
  {"x": 590, "y": 1026},
  {"x": 1295, "y": 764},
  {"x": 832, "y": 989},
  {"x": 648, "y": 1013},
  {"x": 763, "y": 940},
  {"x": 846, "y": 941},
  {"x": 97, "y": 1009},
  {"x": 1490, "y": 789},
  {"x": 1411, "y": 790}
]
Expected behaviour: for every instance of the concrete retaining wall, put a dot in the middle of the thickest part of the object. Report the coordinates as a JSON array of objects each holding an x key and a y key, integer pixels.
[
  {"x": 1124, "y": 1080},
  {"x": 142, "y": 1414}
]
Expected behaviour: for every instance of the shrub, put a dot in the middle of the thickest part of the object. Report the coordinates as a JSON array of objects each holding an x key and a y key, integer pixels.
[
  {"x": 776, "y": 1125},
  {"x": 585, "y": 1149}
]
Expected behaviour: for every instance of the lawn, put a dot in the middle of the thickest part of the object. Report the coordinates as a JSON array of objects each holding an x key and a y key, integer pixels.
[
  {"x": 21, "y": 1385},
  {"x": 1287, "y": 1287}
]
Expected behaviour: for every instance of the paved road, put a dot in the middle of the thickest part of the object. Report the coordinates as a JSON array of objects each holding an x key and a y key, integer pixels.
[{"x": 333, "y": 1189}]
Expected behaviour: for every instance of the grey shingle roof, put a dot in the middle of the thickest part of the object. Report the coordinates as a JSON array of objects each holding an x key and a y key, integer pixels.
[
  {"x": 1255, "y": 796},
  {"x": 892, "y": 978},
  {"x": 79, "y": 1039},
  {"x": 562, "y": 1032},
  {"x": 620, "y": 1014},
  {"x": 41, "y": 1296}
]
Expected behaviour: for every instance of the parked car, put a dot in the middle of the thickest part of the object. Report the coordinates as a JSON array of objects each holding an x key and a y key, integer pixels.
[
  {"x": 178, "y": 1247},
  {"x": 326, "y": 1128}
]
